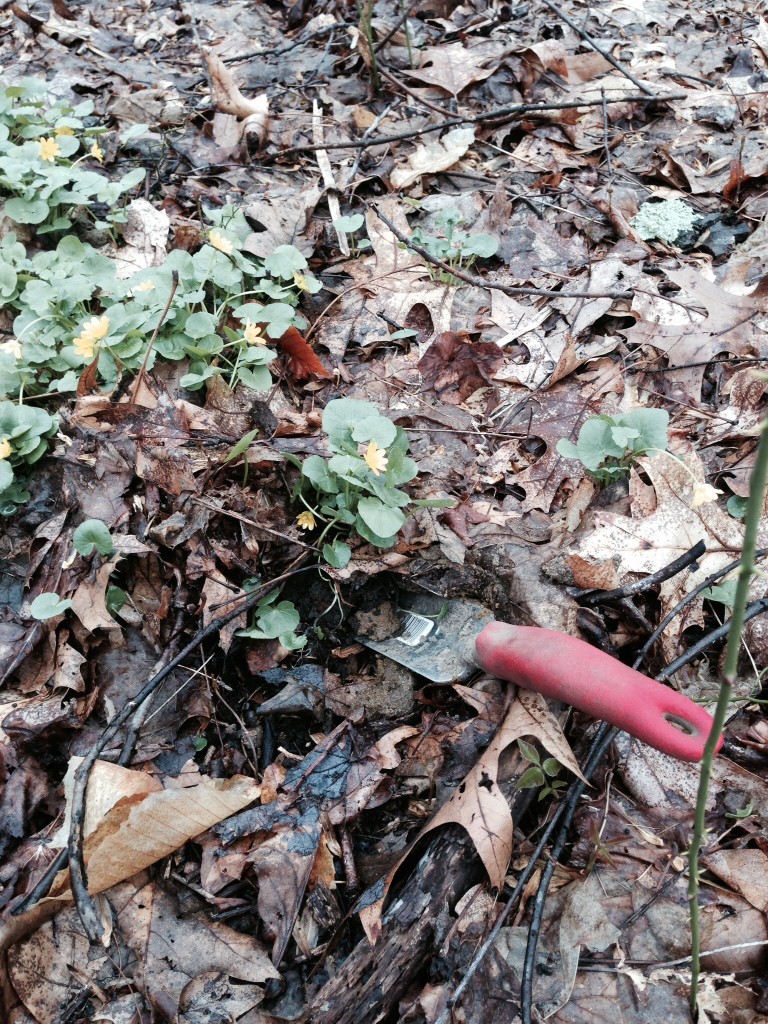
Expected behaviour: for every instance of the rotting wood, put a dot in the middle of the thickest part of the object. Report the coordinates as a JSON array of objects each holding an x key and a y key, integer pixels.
[{"x": 373, "y": 979}]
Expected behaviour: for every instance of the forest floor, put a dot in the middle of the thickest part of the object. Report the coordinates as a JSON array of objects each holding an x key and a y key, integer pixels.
[{"x": 523, "y": 250}]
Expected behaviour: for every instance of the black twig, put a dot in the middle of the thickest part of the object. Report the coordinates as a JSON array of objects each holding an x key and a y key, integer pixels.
[
  {"x": 407, "y": 13},
  {"x": 689, "y": 597},
  {"x": 704, "y": 362},
  {"x": 606, "y": 140},
  {"x": 756, "y": 608},
  {"x": 43, "y": 885},
  {"x": 590, "y": 597},
  {"x": 78, "y": 876},
  {"x": 481, "y": 282},
  {"x": 595, "y": 46},
  {"x": 597, "y": 750}
]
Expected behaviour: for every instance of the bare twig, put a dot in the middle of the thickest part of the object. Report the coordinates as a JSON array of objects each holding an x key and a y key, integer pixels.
[
  {"x": 143, "y": 368},
  {"x": 606, "y": 140},
  {"x": 140, "y": 715},
  {"x": 689, "y": 597},
  {"x": 756, "y": 608},
  {"x": 704, "y": 362},
  {"x": 382, "y": 117},
  {"x": 757, "y": 486},
  {"x": 491, "y": 115},
  {"x": 481, "y": 282},
  {"x": 400, "y": 21},
  {"x": 78, "y": 877},
  {"x": 595, "y": 46},
  {"x": 564, "y": 811},
  {"x": 592, "y": 597}
]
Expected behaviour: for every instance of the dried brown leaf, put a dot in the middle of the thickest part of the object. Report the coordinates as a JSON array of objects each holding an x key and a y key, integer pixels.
[
  {"x": 132, "y": 822},
  {"x": 479, "y": 805}
]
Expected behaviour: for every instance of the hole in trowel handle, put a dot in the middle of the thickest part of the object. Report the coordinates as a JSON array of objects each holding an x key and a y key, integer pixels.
[{"x": 681, "y": 724}]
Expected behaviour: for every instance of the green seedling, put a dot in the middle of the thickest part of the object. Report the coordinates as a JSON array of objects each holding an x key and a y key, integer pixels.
[
  {"x": 607, "y": 446},
  {"x": 219, "y": 309},
  {"x": 48, "y": 606},
  {"x": 71, "y": 309},
  {"x": 541, "y": 773},
  {"x": 275, "y": 620},
  {"x": 454, "y": 246},
  {"x": 25, "y": 434},
  {"x": 93, "y": 535},
  {"x": 49, "y": 159},
  {"x": 350, "y": 225}
]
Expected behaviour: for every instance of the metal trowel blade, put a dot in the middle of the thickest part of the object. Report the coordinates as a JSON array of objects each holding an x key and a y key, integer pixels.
[{"x": 436, "y": 638}]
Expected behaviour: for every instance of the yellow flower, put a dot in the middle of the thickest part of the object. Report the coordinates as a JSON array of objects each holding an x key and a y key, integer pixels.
[
  {"x": 145, "y": 286},
  {"x": 703, "y": 494},
  {"x": 300, "y": 280},
  {"x": 12, "y": 347},
  {"x": 5, "y": 448},
  {"x": 49, "y": 149},
  {"x": 252, "y": 334},
  {"x": 305, "y": 521},
  {"x": 64, "y": 130},
  {"x": 97, "y": 152},
  {"x": 375, "y": 458},
  {"x": 91, "y": 333},
  {"x": 220, "y": 242}
]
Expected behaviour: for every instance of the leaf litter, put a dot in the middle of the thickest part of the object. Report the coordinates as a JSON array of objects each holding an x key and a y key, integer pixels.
[{"x": 267, "y": 802}]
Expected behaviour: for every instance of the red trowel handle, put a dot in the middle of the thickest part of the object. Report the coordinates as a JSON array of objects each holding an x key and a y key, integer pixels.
[{"x": 570, "y": 670}]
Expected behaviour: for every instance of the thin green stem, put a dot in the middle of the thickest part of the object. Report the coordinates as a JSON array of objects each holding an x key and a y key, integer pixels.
[
  {"x": 407, "y": 27},
  {"x": 365, "y": 10},
  {"x": 757, "y": 486}
]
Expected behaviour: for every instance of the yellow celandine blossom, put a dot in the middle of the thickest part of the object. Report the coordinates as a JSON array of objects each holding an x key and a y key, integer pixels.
[
  {"x": 305, "y": 521},
  {"x": 91, "y": 333},
  {"x": 5, "y": 448},
  {"x": 301, "y": 282},
  {"x": 97, "y": 152},
  {"x": 145, "y": 286},
  {"x": 64, "y": 130},
  {"x": 12, "y": 347},
  {"x": 252, "y": 334},
  {"x": 375, "y": 458},
  {"x": 219, "y": 242},
  {"x": 703, "y": 494},
  {"x": 49, "y": 149}
]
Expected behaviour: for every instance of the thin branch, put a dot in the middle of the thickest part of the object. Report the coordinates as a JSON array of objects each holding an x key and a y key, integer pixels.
[
  {"x": 481, "y": 282},
  {"x": 590, "y": 597},
  {"x": 599, "y": 746},
  {"x": 757, "y": 486},
  {"x": 689, "y": 597},
  {"x": 491, "y": 115},
  {"x": 756, "y": 608},
  {"x": 704, "y": 362},
  {"x": 78, "y": 877},
  {"x": 407, "y": 13},
  {"x": 595, "y": 46}
]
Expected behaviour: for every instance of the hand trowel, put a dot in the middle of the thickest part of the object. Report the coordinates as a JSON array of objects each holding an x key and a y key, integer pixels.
[{"x": 448, "y": 640}]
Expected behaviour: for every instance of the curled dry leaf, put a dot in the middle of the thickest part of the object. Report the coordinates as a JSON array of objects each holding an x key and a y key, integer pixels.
[
  {"x": 433, "y": 157},
  {"x": 479, "y": 805}
]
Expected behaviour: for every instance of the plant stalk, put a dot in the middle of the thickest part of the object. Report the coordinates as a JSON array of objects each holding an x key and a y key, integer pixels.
[{"x": 757, "y": 486}]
